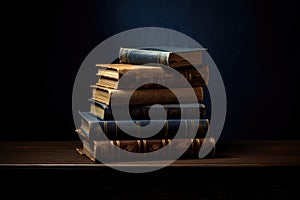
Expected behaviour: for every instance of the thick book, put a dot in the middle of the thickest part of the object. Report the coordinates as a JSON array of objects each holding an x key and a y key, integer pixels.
[
  {"x": 143, "y": 112},
  {"x": 110, "y": 74},
  {"x": 96, "y": 129},
  {"x": 108, "y": 150},
  {"x": 162, "y": 55},
  {"x": 146, "y": 96}
]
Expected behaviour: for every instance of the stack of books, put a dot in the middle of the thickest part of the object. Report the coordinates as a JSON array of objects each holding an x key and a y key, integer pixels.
[{"x": 137, "y": 92}]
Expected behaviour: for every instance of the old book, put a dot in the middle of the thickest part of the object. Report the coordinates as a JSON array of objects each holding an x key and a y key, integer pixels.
[
  {"x": 162, "y": 55},
  {"x": 110, "y": 74},
  {"x": 146, "y": 96},
  {"x": 142, "y": 112},
  {"x": 96, "y": 129},
  {"x": 108, "y": 150}
]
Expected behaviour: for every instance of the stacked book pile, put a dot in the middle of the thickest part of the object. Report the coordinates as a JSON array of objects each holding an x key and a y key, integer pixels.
[{"x": 142, "y": 90}]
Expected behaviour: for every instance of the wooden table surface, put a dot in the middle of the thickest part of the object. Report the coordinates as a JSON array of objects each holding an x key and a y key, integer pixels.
[
  {"x": 240, "y": 170},
  {"x": 229, "y": 154}
]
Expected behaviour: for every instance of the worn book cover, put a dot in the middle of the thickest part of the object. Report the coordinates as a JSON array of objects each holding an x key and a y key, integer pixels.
[
  {"x": 108, "y": 150},
  {"x": 110, "y": 74},
  {"x": 143, "y": 112},
  {"x": 96, "y": 129},
  {"x": 162, "y": 55},
  {"x": 146, "y": 96}
]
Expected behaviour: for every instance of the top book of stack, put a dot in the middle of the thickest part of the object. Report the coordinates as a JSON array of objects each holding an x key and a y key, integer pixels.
[{"x": 162, "y": 55}]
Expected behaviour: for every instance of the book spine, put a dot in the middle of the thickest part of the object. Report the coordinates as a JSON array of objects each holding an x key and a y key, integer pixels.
[
  {"x": 144, "y": 97},
  {"x": 196, "y": 76},
  {"x": 140, "y": 97},
  {"x": 112, "y": 130},
  {"x": 143, "y": 112},
  {"x": 109, "y": 150},
  {"x": 137, "y": 56}
]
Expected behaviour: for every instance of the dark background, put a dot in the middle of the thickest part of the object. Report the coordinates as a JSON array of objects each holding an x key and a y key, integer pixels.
[{"x": 254, "y": 44}]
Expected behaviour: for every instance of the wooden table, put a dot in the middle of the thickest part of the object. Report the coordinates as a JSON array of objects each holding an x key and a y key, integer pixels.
[{"x": 241, "y": 169}]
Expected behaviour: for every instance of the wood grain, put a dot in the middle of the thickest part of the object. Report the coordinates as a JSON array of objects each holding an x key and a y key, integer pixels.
[{"x": 229, "y": 154}]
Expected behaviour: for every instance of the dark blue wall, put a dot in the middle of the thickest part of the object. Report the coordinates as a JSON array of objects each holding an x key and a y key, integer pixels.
[{"x": 253, "y": 44}]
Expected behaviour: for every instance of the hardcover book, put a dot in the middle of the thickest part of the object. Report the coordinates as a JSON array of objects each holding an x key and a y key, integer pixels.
[
  {"x": 96, "y": 129},
  {"x": 162, "y": 55},
  {"x": 108, "y": 149},
  {"x": 142, "y": 112},
  {"x": 110, "y": 74},
  {"x": 146, "y": 96}
]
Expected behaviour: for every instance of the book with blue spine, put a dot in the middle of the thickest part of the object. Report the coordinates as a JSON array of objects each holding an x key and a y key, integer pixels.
[
  {"x": 162, "y": 55},
  {"x": 96, "y": 129}
]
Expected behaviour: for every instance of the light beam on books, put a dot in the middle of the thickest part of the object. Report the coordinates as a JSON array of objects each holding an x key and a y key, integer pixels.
[{"x": 107, "y": 51}]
